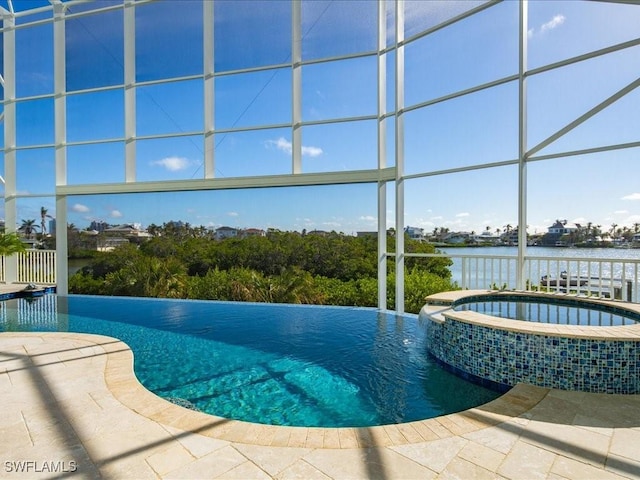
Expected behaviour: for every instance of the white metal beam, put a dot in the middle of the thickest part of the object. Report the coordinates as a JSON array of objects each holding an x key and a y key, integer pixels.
[
  {"x": 522, "y": 145},
  {"x": 130, "y": 91},
  {"x": 10, "y": 203},
  {"x": 60, "y": 107},
  {"x": 209, "y": 89},
  {"x": 296, "y": 86},
  {"x": 227, "y": 183},
  {"x": 382, "y": 155},
  {"x": 399, "y": 156}
]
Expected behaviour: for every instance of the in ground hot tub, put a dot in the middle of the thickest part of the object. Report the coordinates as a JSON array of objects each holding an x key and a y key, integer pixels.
[{"x": 564, "y": 342}]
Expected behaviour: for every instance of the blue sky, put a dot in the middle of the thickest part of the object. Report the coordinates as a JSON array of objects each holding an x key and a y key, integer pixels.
[{"x": 479, "y": 128}]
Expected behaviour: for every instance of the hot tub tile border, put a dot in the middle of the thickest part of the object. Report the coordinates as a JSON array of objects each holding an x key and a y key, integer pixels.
[{"x": 504, "y": 352}]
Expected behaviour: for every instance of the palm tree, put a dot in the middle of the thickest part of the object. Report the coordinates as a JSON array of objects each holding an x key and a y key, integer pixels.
[
  {"x": 43, "y": 218},
  {"x": 10, "y": 243},
  {"x": 28, "y": 227}
]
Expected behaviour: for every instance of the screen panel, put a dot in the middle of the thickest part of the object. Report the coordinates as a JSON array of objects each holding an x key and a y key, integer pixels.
[
  {"x": 260, "y": 152},
  {"x": 175, "y": 107},
  {"x": 173, "y": 158},
  {"x": 169, "y": 40},
  {"x": 95, "y": 115},
  {"x": 339, "y": 89},
  {"x": 471, "y": 52},
  {"x": 475, "y": 129},
  {"x": 253, "y": 99},
  {"x": 95, "y": 50},
  {"x": 35, "y": 171},
  {"x": 338, "y": 27},
  {"x": 95, "y": 163},
  {"x": 340, "y": 146},
  {"x": 35, "y": 122},
  {"x": 251, "y": 34},
  {"x": 34, "y": 60}
]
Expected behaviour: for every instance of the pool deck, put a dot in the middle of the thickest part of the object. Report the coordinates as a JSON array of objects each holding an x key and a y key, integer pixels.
[{"x": 70, "y": 403}]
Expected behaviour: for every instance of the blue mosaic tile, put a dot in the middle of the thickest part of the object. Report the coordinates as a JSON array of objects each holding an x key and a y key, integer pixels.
[{"x": 506, "y": 358}]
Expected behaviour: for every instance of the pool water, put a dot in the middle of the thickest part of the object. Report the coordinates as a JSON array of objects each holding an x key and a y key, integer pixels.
[
  {"x": 266, "y": 363},
  {"x": 560, "y": 313}
]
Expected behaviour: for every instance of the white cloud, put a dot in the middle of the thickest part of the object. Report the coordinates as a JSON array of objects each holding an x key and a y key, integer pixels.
[
  {"x": 633, "y": 196},
  {"x": 233, "y": 214},
  {"x": 284, "y": 145},
  {"x": 173, "y": 164},
  {"x": 281, "y": 144},
  {"x": 311, "y": 151},
  {"x": 115, "y": 214},
  {"x": 462, "y": 214},
  {"x": 368, "y": 218},
  {"x": 555, "y": 22},
  {"x": 79, "y": 208},
  {"x": 621, "y": 212}
]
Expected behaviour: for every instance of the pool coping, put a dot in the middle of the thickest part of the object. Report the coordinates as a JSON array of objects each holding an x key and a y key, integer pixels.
[
  {"x": 438, "y": 309},
  {"x": 125, "y": 387}
]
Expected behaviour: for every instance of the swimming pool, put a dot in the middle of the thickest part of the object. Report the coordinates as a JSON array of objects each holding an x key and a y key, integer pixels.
[
  {"x": 266, "y": 363},
  {"x": 542, "y": 310}
]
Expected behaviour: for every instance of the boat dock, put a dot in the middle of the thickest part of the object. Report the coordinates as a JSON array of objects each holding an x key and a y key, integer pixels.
[{"x": 605, "y": 287}]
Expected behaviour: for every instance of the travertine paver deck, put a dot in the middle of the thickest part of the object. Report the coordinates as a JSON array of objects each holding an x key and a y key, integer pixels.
[{"x": 70, "y": 403}]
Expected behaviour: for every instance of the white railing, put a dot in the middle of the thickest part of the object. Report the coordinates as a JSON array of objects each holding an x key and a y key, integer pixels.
[
  {"x": 601, "y": 277},
  {"x": 33, "y": 266}
]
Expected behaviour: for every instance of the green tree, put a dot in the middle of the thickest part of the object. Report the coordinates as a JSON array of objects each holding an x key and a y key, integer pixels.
[
  {"x": 28, "y": 227},
  {"x": 11, "y": 244},
  {"x": 148, "y": 277},
  {"x": 281, "y": 267}
]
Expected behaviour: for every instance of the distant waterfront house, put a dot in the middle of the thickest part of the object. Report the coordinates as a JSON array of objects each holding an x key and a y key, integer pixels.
[
  {"x": 415, "y": 233},
  {"x": 109, "y": 244},
  {"x": 226, "y": 232},
  {"x": 510, "y": 237},
  {"x": 457, "y": 238},
  {"x": 560, "y": 234},
  {"x": 127, "y": 230},
  {"x": 253, "y": 232},
  {"x": 487, "y": 237},
  {"x": 562, "y": 228}
]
